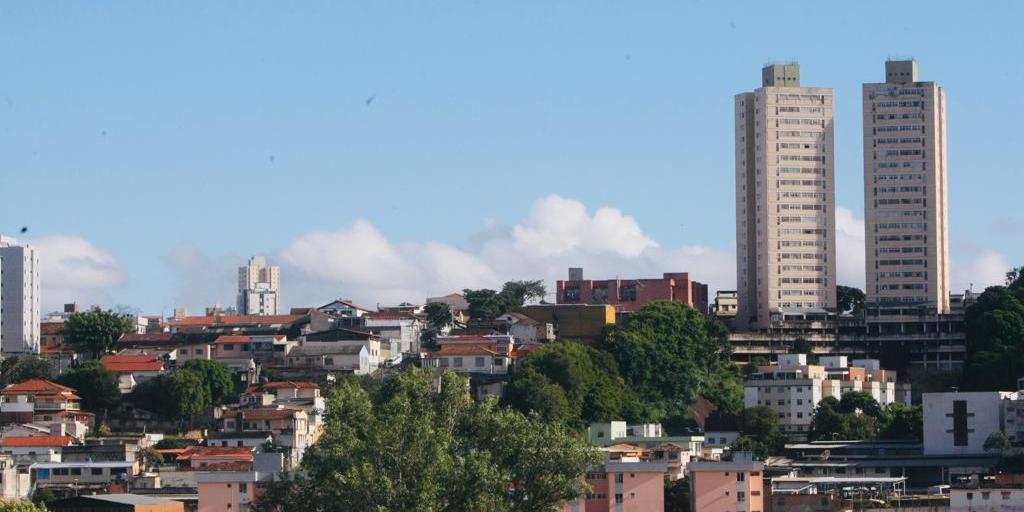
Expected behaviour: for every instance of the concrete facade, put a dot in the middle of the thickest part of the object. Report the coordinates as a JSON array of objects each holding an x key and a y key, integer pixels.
[
  {"x": 785, "y": 199},
  {"x": 727, "y": 486},
  {"x": 628, "y": 295},
  {"x": 958, "y": 423},
  {"x": 19, "y": 298},
  {"x": 905, "y": 191},
  {"x": 259, "y": 287}
]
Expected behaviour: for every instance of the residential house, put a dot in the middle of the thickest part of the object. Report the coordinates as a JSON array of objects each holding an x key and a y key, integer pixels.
[
  {"x": 735, "y": 485},
  {"x": 133, "y": 369},
  {"x": 470, "y": 354},
  {"x": 988, "y": 493},
  {"x": 336, "y": 357},
  {"x": 620, "y": 486},
  {"x": 527, "y": 330},
  {"x": 115, "y": 503},
  {"x": 628, "y": 295},
  {"x": 52, "y": 345},
  {"x": 344, "y": 308},
  {"x": 398, "y": 330},
  {"x": 237, "y": 490},
  {"x": 291, "y": 428},
  {"x": 27, "y": 450},
  {"x": 586, "y": 323},
  {"x": 284, "y": 393},
  {"x": 14, "y": 484},
  {"x": 41, "y": 401}
]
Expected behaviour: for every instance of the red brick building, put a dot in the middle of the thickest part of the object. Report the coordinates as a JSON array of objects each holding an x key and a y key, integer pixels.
[{"x": 628, "y": 295}]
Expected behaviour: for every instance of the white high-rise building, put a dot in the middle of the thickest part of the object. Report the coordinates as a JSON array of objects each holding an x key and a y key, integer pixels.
[
  {"x": 259, "y": 287},
  {"x": 906, "y": 218},
  {"x": 19, "y": 297},
  {"x": 785, "y": 200}
]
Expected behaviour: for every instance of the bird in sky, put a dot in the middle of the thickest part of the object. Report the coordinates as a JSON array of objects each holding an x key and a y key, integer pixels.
[
  {"x": 370, "y": 99},
  {"x": 24, "y": 229}
]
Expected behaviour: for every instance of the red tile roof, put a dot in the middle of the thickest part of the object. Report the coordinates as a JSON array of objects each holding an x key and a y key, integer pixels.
[
  {"x": 31, "y": 441},
  {"x": 132, "y": 363},
  {"x": 232, "y": 339},
  {"x": 463, "y": 350},
  {"x": 235, "y": 319},
  {"x": 151, "y": 337},
  {"x": 222, "y": 452},
  {"x": 36, "y": 386}
]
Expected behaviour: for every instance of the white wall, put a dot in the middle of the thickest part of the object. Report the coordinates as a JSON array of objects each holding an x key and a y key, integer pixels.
[{"x": 985, "y": 413}]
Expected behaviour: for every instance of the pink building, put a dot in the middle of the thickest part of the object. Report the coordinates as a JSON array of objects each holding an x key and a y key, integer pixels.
[
  {"x": 623, "y": 487},
  {"x": 727, "y": 486},
  {"x": 628, "y": 295}
]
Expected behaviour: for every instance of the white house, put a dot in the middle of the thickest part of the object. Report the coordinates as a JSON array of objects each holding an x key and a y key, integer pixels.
[{"x": 958, "y": 423}]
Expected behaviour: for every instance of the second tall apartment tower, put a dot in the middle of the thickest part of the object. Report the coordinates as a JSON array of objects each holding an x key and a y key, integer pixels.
[
  {"x": 785, "y": 206},
  {"x": 906, "y": 214}
]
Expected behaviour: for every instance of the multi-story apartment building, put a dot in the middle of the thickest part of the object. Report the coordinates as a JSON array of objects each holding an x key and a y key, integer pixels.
[
  {"x": 785, "y": 208},
  {"x": 905, "y": 204},
  {"x": 793, "y": 388},
  {"x": 735, "y": 485},
  {"x": 259, "y": 286},
  {"x": 628, "y": 295},
  {"x": 19, "y": 297}
]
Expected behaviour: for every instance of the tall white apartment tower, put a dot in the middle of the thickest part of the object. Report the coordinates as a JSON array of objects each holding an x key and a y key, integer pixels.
[
  {"x": 19, "y": 297},
  {"x": 258, "y": 287},
  {"x": 785, "y": 206},
  {"x": 905, "y": 206}
]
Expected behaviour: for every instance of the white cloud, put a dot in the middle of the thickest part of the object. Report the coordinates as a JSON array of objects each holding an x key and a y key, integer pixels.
[
  {"x": 71, "y": 269},
  {"x": 357, "y": 261},
  {"x": 986, "y": 268},
  {"x": 850, "y": 251}
]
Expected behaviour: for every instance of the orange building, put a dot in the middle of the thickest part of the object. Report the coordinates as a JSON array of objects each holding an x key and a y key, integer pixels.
[
  {"x": 623, "y": 487},
  {"x": 736, "y": 485}
]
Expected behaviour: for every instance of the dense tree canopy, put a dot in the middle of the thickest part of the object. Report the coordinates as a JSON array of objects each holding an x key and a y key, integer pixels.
[
  {"x": 95, "y": 384},
  {"x": 759, "y": 432},
  {"x": 670, "y": 354},
  {"x": 849, "y": 299},
  {"x": 95, "y": 331},
  {"x": 858, "y": 416},
  {"x": 20, "y": 506},
  {"x": 572, "y": 383},
  {"x": 995, "y": 336},
  {"x": 20, "y": 368},
  {"x": 485, "y": 304},
  {"x": 439, "y": 318},
  {"x": 190, "y": 390},
  {"x": 411, "y": 447}
]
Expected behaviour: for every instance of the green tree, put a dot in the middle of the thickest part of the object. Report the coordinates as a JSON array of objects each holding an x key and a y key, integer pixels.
[
  {"x": 759, "y": 432},
  {"x": 95, "y": 331},
  {"x": 677, "y": 495},
  {"x": 484, "y": 304},
  {"x": 670, "y": 354},
  {"x": 995, "y": 336},
  {"x": 20, "y": 368},
  {"x": 850, "y": 299},
  {"x": 148, "y": 457},
  {"x": 589, "y": 387},
  {"x": 95, "y": 384},
  {"x": 827, "y": 422},
  {"x": 899, "y": 421},
  {"x": 216, "y": 377},
  {"x": 515, "y": 294},
  {"x": 20, "y": 506},
  {"x": 854, "y": 401},
  {"x": 996, "y": 442},
  {"x": 439, "y": 318},
  {"x": 454, "y": 454}
]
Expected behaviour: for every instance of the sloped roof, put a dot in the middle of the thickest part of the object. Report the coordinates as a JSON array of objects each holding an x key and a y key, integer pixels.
[
  {"x": 236, "y": 319},
  {"x": 268, "y": 414},
  {"x": 30, "y": 441},
  {"x": 132, "y": 363},
  {"x": 232, "y": 339},
  {"x": 50, "y": 328},
  {"x": 35, "y": 386},
  {"x": 464, "y": 350},
  {"x": 287, "y": 384}
]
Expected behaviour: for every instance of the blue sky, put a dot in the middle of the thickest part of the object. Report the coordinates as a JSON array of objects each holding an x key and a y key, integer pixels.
[{"x": 152, "y": 147}]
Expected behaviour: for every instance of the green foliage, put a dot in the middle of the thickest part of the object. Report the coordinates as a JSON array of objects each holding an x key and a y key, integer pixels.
[
  {"x": 677, "y": 495},
  {"x": 181, "y": 395},
  {"x": 20, "y": 506},
  {"x": 802, "y": 346},
  {"x": 995, "y": 336},
  {"x": 439, "y": 317},
  {"x": 95, "y": 331},
  {"x": 173, "y": 442},
  {"x": 20, "y": 368},
  {"x": 671, "y": 354},
  {"x": 862, "y": 401},
  {"x": 216, "y": 377},
  {"x": 899, "y": 421},
  {"x": 996, "y": 442},
  {"x": 759, "y": 432},
  {"x": 410, "y": 447},
  {"x": 485, "y": 304},
  {"x": 95, "y": 384},
  {"x": 850, "y": 299},
  {"x": 148, "y": 457},
  {"x": 572, "y": 383}
]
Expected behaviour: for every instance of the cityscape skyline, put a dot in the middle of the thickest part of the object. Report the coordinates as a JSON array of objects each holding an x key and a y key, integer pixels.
[{"x": 645, "y": 123}]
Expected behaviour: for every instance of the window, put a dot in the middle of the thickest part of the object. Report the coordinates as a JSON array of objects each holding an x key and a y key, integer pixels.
[
  {"x": 618, "y": 497},
  {"x": 479, "y": 362},
  {"x": 741, "y": 476},
  {"x": 741, "y": 496},
  {"x": 457, "y": 362},
  {"x": 618, "y": 478},
  {"x": 76, "y": 471},
  {"x": 243, "y": 487},
  {"x": 97, "y": 471}
]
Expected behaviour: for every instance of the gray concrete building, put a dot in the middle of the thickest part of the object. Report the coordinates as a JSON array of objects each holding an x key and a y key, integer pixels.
[
  {"x": 905, "y": 194},
  {"x": 259, "y": 286},
  {"x": 785, "y": 207}
]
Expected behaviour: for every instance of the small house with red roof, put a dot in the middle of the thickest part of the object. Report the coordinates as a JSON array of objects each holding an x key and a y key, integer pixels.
[
  {"x": 31, "y": 449},
  {"x": 284, "y": 393},
  {"x": 40, "y": 400},
  {"x": 344, "y": 308},
  {"x": 471, "y": 354},
  {"x": 132, "y": 369}
]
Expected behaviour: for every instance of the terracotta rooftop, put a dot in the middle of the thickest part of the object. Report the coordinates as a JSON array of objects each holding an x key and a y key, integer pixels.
[
  {"x": 132, "y": 363},
  {"x": 231, "y": 339},
  {"x": 268, "y": 414},
  {"x": 464, "y": 350},
  {"x": 36, "y": 386},
  {"x": 222, "y": 452},
  {"x": 50, "y": 328},
  {"x": 150, "y": 338},
  {"x": 235, "y": 319},
  {"x": 30, "y": 441}
]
